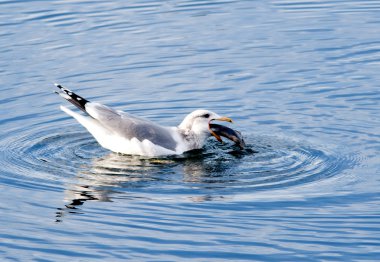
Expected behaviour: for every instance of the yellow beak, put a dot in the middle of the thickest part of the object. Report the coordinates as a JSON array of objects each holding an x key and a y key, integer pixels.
[{"x": 226, "y": 119}]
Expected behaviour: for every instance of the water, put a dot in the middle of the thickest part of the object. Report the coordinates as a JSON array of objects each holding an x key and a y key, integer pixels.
[{"x": 300, "y": 79}]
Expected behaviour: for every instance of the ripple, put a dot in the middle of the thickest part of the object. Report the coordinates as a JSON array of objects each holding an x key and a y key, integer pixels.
[
  {"x": 41, "y": 159},
  {"x": 314, "y": 6},
  {"x": 54, "y": 159}
]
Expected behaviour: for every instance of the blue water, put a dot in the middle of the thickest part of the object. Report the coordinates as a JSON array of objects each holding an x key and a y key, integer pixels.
[{"x": 300, "y": 79}]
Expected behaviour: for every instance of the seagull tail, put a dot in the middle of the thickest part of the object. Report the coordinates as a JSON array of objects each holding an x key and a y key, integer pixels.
[
  {"x": 83, "y": 120},
  {"x": 73, "y": 98}
]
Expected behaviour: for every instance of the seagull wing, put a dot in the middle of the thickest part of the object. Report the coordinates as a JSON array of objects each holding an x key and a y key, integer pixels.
[
  {"x": 130, "y": 127},
  {"x": 118, "y": 123}
]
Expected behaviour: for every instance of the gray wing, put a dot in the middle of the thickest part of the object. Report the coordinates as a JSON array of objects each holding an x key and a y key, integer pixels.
[{"x": 130, "y": 127}]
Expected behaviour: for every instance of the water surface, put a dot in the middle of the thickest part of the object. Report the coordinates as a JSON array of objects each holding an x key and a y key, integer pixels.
[{"x": 299, "y": 78}]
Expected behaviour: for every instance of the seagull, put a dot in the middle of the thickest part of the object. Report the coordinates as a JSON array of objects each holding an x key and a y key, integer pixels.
[{"x": 124, "y": 133}]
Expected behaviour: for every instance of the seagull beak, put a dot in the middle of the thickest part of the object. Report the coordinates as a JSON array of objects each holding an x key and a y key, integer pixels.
[{"x": 226, "y": 119}]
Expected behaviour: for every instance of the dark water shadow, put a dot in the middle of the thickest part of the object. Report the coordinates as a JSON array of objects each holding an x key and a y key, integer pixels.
[
  {"x": 216, "y": 173},
  {"x": 196, "y": 172}
]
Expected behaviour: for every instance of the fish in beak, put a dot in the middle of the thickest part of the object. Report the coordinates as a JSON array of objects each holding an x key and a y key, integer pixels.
[
  {"x": 226, "y": 119},
  {"x": 233, "y": 135},
  {"x": 219, "y": 130}
]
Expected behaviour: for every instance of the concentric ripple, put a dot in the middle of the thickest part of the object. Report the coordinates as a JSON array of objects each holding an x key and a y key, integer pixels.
[{"x": 52, "y": 159}]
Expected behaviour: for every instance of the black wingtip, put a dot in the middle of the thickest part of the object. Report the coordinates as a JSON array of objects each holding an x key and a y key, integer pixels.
[{"x": 73, "y": 98}]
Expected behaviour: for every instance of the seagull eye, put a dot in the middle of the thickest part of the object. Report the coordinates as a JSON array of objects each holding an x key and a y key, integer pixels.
[{"x": 206, "y": 115}]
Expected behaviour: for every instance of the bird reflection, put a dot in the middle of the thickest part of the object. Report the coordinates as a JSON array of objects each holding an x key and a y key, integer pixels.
[{"x": 118, "y": 174}]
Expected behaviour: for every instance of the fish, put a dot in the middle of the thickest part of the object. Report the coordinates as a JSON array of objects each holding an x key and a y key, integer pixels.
[{"x": 229, "y": 133}]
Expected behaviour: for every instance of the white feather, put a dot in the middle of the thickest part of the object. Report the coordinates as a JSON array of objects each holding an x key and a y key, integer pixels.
[{"x": 111, "y": 129}]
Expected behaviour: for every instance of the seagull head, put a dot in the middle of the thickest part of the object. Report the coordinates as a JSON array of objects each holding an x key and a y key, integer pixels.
[{"x": 198, "y": 123}]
